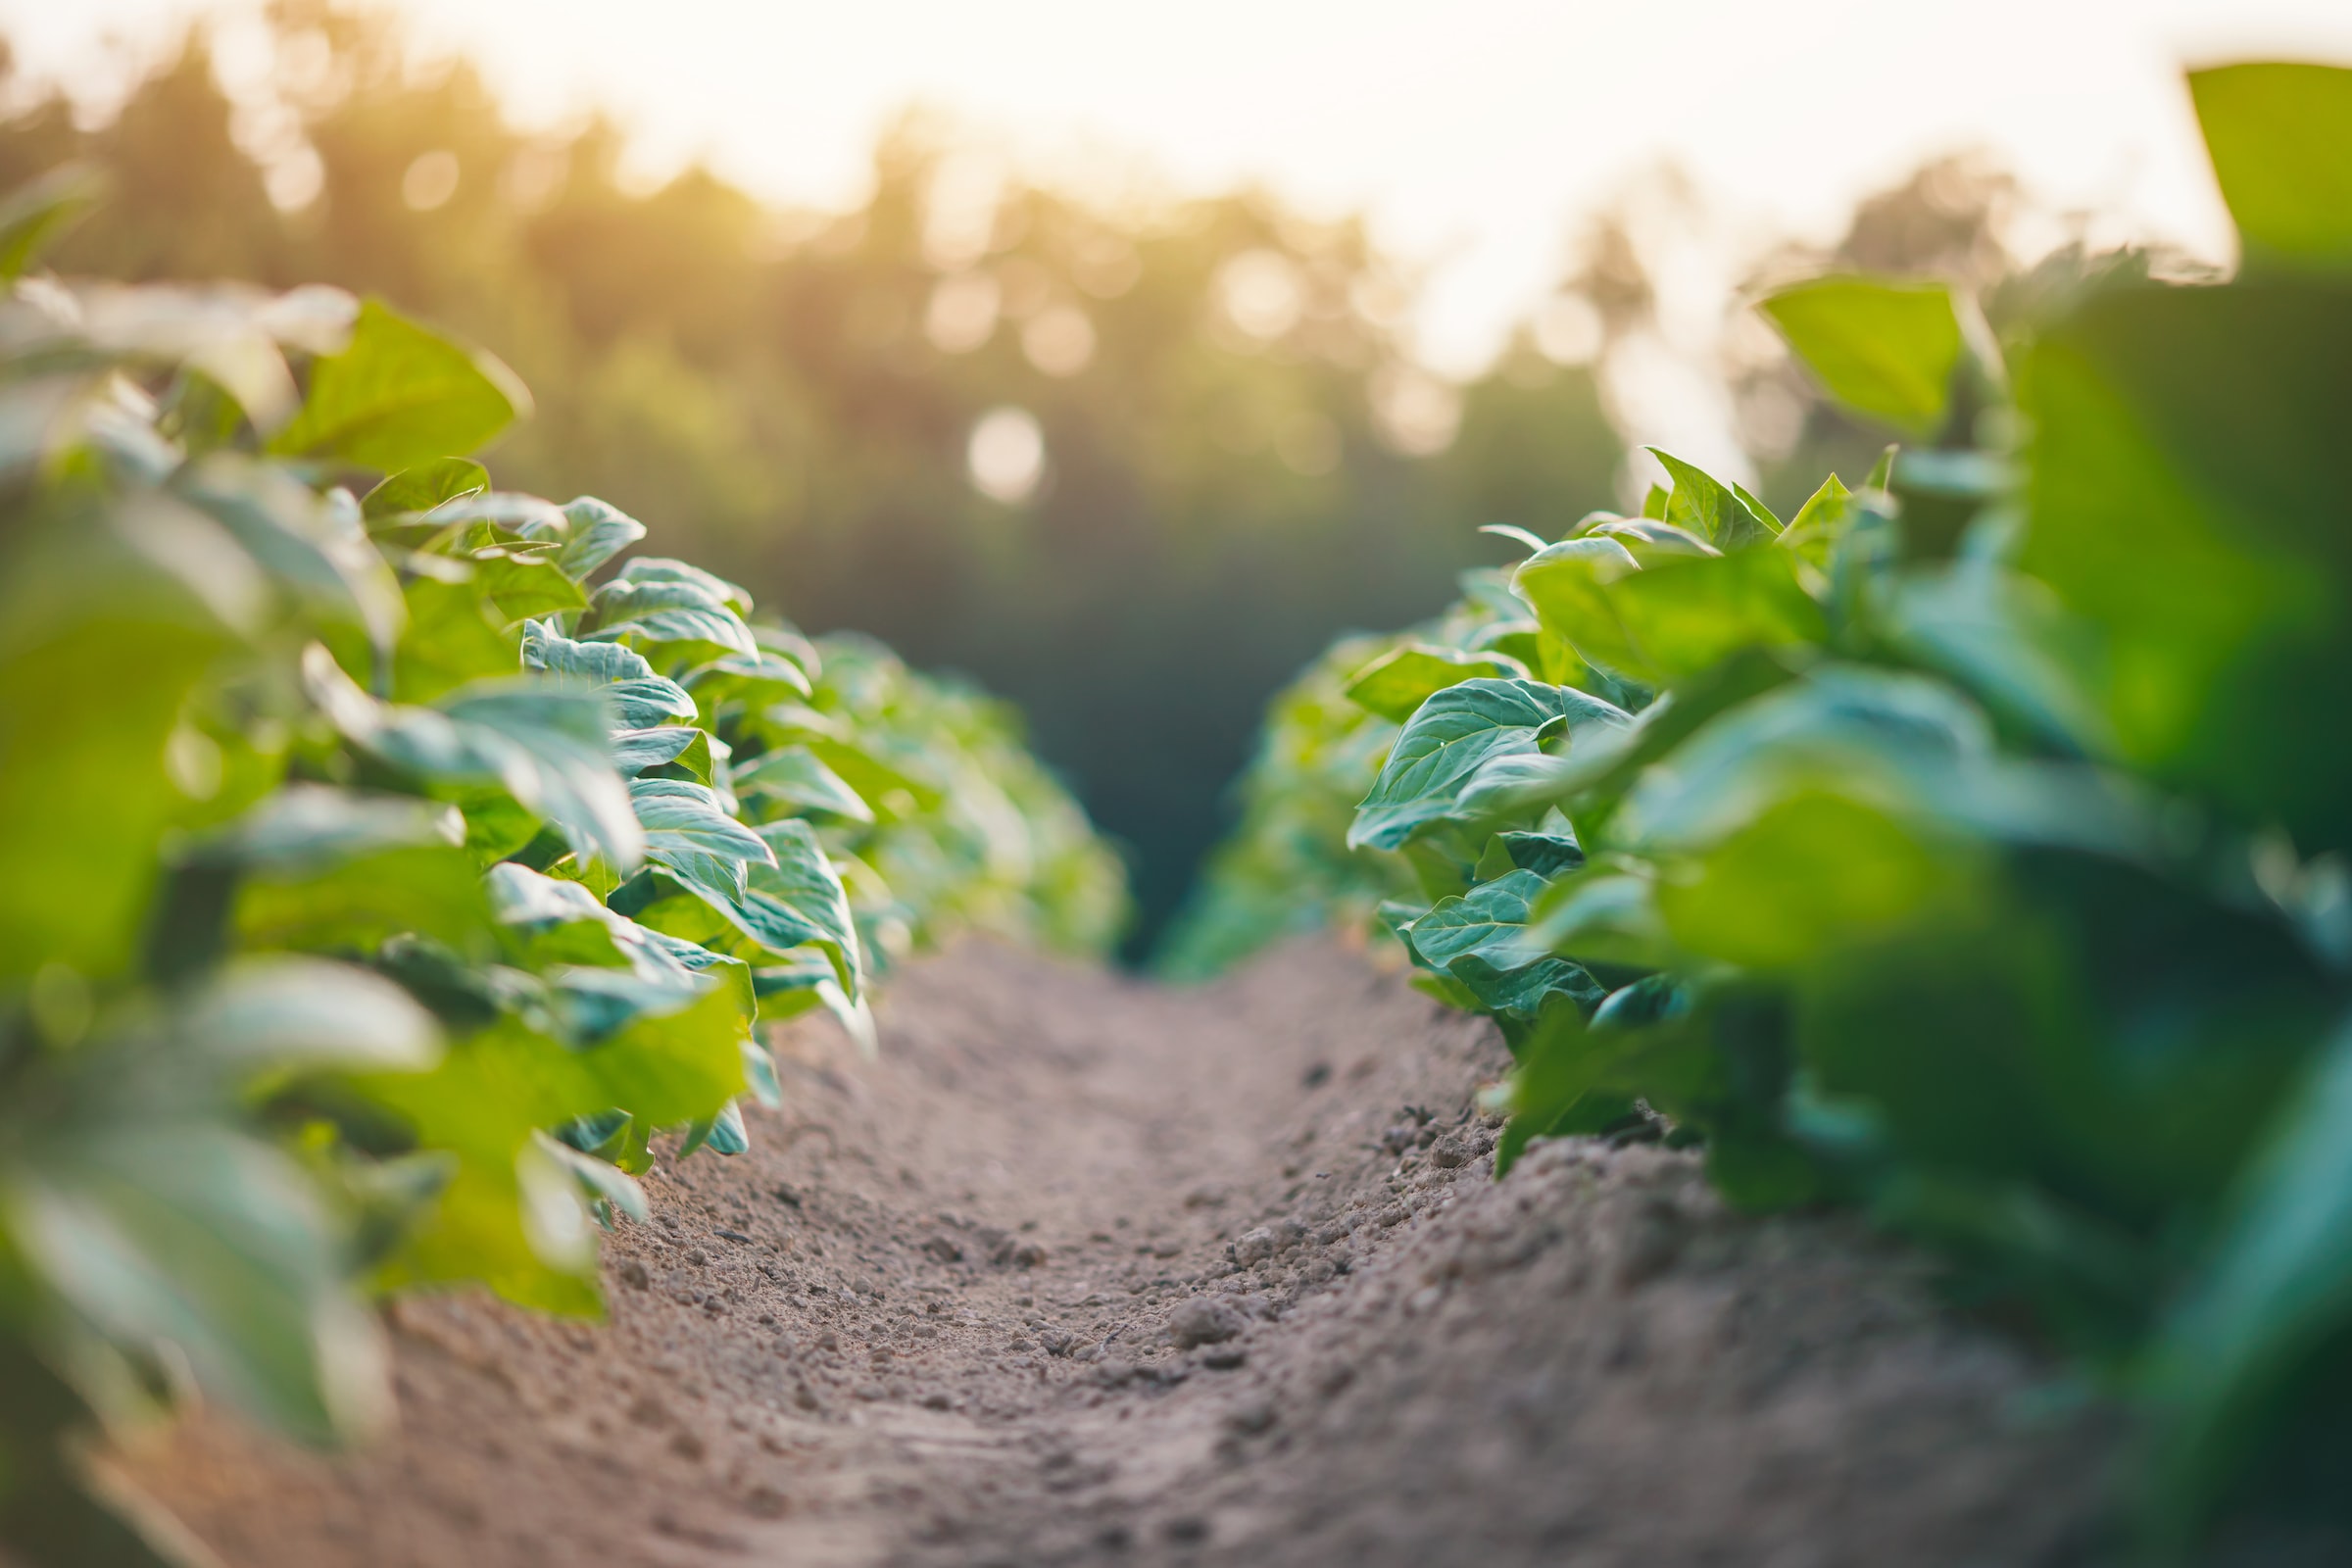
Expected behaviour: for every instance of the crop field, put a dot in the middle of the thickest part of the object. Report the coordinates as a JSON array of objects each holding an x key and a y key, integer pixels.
[{"x": 1822, "y": 1038}]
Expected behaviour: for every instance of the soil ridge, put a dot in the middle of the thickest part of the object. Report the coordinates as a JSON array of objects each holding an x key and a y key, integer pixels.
[{"x": 1084, "y": 1270}]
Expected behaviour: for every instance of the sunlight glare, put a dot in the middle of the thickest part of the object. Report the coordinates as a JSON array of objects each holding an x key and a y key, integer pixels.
[{"x": 1006, "y": 457}]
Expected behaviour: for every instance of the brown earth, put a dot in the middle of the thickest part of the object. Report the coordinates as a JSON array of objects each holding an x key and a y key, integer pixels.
[{"x": 1087, "y": 1271}]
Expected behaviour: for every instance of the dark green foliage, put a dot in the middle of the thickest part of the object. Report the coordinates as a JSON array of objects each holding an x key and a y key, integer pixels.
[
  {"x": 379, "y": 886},
  {"x": 1974, "y": 848}
]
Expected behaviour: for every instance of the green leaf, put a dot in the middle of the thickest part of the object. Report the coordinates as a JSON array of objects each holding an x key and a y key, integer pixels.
[
  {"x": 597, "y": 1179},
  {"x": 1547, "y": 854},
  {"x": 639, "y": 698},
  {"x": 637, "y": 751},
  {"x": 511, "y": 1216},
  {"x": 655, "y": 611},
  {"x": 356, "y": 906},
  {"x": 802, "y": 878},
  {"x": 525, "y": 582},
  {"x": 792, "y": 777},
  {"x": 1600, "y": 917},
  {"x": 687, "y": 826},
  {"x": 2265, "y": 1310},
  {"x": 1440, "y": 754},
  {"x": 1884, "y": 347},
  {"x": 779, "y": 897},
  {"x": 1562, "y": 1061},
  {"x": 722, "y": 1134},
  {"x": 1404, "y": 678},
  {"x": 1813, "y": 533},
  {"x": 599, "y": 532},
  {"x": 1902, "y": 742},
  {"x": 759, "y": 1071},
  {"x": 564, "y": 924},
  {"x": 1669, "y": 620},
  {"x": 183, "y": 1231},
  {"x": 400, "y": 395},
  {"x": 304, "y": 1012},
  {"x": 1479, "y": 938},
  {"x": 451, "y": 638},
  {"x": 422, "y": 486},
  {"x": 318, "y": 551},
  {"x": 86, "y": 713},
  {"x": 546, "y": 747},
  {"x": 2182, "y": 492},
  {"x": 890, "y": 791},
  {"x": 2008, "y": 640},
  {"x": 646, "y": 570},
  {"x": 1809, "y": 873},
  {"x": 37, "y": 216},
  {"x": 1489, "y": 920},
  {"x": 1725, "y": 515},
  {"x": 2280, "y": 137},
  {"x": 1684, "y": 618},
  {"x": 598, "y": 1003},
  {"x": 757, "y": 679},
  {"x": 546, "y": 649},
  {"x": 1567, "y": 586},
  {"x": 311, "y": 827}
]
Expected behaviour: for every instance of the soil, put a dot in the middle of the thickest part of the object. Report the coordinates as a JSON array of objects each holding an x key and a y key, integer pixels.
[{"x": 1081, "y": 1270}]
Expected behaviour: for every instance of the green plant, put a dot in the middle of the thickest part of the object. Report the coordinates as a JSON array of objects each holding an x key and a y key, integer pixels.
[
  {"x": 387, "y": 870},
  {"x": 1971, "y": 845}
]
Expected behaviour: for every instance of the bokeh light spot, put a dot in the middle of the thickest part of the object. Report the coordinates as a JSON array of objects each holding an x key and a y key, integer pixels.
[
  {"x": 431, "y": 180},
  {"x": 1060, "y": 340},
  {"x": 1006, "y": 454},
  {"x": 962, "y": 313},
  {"x": 1416, "y": 413},
  {"x": 1568, "y": 330},
  {"x": 1261, "y": 293}
]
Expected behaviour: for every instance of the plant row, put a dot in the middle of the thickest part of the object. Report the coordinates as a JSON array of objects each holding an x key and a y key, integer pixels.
[
  {"x": 389, "y": 862},
  {"x": 1969, "y": 846}
]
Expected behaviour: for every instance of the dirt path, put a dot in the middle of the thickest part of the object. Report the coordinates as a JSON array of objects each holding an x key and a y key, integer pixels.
[{"x": 1086, "y": 1271}]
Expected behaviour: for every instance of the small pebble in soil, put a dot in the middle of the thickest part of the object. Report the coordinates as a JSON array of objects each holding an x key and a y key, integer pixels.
[
  {"x": 1202, "y": 1320},
  {"x": 632, "y": 1274},
  {"x": 1251, "y": 1416}
]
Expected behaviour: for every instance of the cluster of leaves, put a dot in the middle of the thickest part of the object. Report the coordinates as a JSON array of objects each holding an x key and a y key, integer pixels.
[
  {"x": 1977, "y": 856},
  {"x": 1287, "y": 866},
  {"x": 792, "y": 393},
  {"x": 387, "y": 870}
]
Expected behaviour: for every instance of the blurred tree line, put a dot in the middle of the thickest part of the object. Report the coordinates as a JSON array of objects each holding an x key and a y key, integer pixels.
[
  {"x": 1239, "y": 458},
  {"x": 1130, "y": 468}
]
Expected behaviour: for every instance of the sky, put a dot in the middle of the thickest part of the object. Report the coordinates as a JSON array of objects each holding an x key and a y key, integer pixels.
[{"x": 1470, "y": 131}]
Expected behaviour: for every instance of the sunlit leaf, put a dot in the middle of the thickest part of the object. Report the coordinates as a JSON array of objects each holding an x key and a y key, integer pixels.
[
  {"x": 2279, "y": 135},
  {"x": 1455, "y": 734},
  {"x": 1882, "y": 347},
  {"x": 399, "y": 394},
  {"x": 1404, "y": 678}
]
